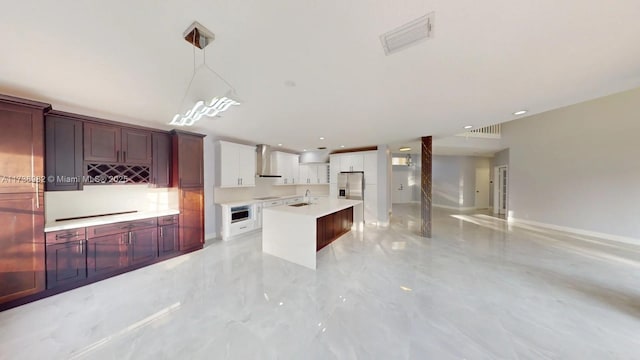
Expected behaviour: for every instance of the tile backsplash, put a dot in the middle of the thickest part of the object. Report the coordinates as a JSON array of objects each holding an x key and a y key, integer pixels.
[{"x": 105, "y": 199}]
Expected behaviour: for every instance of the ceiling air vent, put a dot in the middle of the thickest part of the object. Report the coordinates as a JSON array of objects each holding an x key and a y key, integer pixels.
[{"x": 408, "y": 34}]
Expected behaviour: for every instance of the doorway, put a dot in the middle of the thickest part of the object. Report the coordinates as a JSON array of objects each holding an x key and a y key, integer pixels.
[
  {"x": 501, "y": 187},
  {"x": 482, "y": 188}
]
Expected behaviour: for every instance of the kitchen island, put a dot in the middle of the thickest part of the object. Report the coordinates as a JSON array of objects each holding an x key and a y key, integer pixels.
[{"x": 295, "y": 233}]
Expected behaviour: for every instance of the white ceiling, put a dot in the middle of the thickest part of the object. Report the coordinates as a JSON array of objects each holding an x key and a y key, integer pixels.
[{"x": 127, "y": 60}]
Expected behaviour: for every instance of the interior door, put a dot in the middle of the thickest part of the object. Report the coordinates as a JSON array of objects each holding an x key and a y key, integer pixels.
[{"x": 482, "y": 188}]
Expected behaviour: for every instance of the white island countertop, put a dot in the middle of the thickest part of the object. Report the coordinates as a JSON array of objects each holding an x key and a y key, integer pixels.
[
  {"x": 316, "y": 209},
  {"x": 290, "y": 232},
  {"x": 107, "y": 219}
]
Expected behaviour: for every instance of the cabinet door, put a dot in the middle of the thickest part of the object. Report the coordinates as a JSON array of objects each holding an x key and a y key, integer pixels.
[
  {"x": 143, "y": 245},
  {"x": 161, "y": 164},
  {"x": 63, "y": 159},
  {"x": 188, "y": 149},
  {"x": 304, "y": 172},
  {"x": 323, "y": 174},
  {"x": 22, "y": 257},
  {"x": 66, "y": 263},
  {"x": 102, "y": 143},
  {"x": 21, "y": 148},
  {"x": 371, "y": 167},
  {"x": 229, "y": 165},
  {"x": 168, "y": 240},
  {"x": 247, "y": 162},
  {"x": 191, "y": 219},
  {"x": 334, "y": 168},
  {"x": 294, "y": 160},
  {"x": 106, "y": 254},
  {"x": 352, "y": 163},
  {"x": 136, "y": 147}
]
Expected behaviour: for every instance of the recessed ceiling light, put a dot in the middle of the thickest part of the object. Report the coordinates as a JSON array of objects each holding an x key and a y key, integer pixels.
[
  {"x": 468, "y": 126},
  {"x": 304, "y": 149},
  {"x": 321, "y": 137},
  {"x": 520, "y": 112},
  {"x": 342, "y": 146},
  {"x": 279, "y": 144},
  {"x": 405, "y": 148}
]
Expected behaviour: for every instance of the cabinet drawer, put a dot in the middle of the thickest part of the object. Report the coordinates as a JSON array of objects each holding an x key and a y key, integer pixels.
[
  {"x": 241, "y": 227},
  {"x": 121, "y": 227},
  {"x": 168, "y": 220},
  {"x": 63, "y": 236},
  {"x": 272, "y": 203}
]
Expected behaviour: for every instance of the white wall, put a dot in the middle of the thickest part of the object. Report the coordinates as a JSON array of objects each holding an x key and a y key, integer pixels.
[
  {"x": 578, "y": 166},
  {"x": 454, "y": 180},
  {"x": 409, "y": 178}
]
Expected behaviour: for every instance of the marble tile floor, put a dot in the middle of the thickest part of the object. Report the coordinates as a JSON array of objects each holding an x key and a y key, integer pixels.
[{"x": 479, "y": 289}]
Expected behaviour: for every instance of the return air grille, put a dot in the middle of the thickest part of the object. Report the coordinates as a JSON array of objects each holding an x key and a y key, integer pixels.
[
  {"x": 116, "y": 174},
  {"x": 408, "y": 34}
]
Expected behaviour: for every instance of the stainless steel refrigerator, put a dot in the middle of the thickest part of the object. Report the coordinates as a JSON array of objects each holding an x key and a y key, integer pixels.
[{"x": 351, "y": 185}]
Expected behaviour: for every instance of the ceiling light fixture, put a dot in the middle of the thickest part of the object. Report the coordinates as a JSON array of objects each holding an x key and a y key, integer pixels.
[
  {"x": 405, "y": 148},
  {"x": 199, "y": 36},
  {"x": 279, "y": 144},
  {"x": 342, "y": 146},
  {"x": 321, "y": 137},
  {"x": 468, "y": 127},
  {"x": 520, "y": 112}
]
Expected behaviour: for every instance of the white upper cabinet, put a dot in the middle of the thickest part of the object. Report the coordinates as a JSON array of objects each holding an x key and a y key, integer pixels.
[
  {"x": 236, "y": 165},
  {"x": 352, "y": 162},
  {"x": 314, "y": 174},
  {"x": 285, "y": 165},
  {"x": 334, "y": 168}
]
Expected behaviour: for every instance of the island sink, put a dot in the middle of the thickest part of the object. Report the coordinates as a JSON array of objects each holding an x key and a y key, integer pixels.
[{"x": 300, "y": 204}]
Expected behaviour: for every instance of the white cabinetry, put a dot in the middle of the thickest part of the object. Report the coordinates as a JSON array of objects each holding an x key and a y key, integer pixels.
[
  {"x": 352, "y": 162},
  {"x": 314, "y": 174},
  {"x": 236, "y": 165},
  {"x": 285, "y": 165}
]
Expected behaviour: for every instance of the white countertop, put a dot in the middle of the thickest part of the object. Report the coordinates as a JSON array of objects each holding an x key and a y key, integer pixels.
[
  {"x": 274, "y": 198},
  {"x": 103, "y": 220},
  {"x": 316, "y": 209}
]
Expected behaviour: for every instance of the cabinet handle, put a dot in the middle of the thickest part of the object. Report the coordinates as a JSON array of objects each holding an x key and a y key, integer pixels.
[
  {"x": 81, "y": 246},
  {"x": 161, "y": 231},
  {"x": 129, "y": 237}
]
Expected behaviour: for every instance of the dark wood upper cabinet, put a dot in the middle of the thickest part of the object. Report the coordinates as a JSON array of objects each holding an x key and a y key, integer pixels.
[
  {"x": 136, "y": 146},
  {"x": 161, "y": 165},
  {"x": 102, "y": 143},
  {"x": 112, "y": 144},
  {"x": 188, "y": 164},
  {"x": 63, "y": 155}
]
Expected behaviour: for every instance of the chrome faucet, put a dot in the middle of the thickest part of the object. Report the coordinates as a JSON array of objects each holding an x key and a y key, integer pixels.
[{"x": 306, "y": 195}]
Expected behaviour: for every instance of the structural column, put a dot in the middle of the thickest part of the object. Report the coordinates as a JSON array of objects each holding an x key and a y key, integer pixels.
[{"x": 425, "y": 187}]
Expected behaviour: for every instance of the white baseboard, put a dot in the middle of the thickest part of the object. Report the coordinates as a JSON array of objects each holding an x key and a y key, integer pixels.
[
  {"x": 605, "y": 236},
  {"x": 453, "y": 207}
]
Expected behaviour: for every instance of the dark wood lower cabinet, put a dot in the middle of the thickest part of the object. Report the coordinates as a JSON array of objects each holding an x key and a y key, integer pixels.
[
  {"x": 332, "y": 226},
  {"x": 66, "y": 263},
  {"x": 168, "y": 240},
  {"x": 106, "y": 254},
  {"x": 143, "y": 246}
]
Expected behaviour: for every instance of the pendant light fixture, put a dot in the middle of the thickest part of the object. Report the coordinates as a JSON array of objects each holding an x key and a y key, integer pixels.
[{"x": 199, "y": 36}]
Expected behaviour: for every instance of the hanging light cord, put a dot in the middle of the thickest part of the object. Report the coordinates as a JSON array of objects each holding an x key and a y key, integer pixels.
[{"x": 195, "y": 70}]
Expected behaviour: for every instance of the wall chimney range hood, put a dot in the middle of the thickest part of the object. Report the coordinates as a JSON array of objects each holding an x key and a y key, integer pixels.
[{"x": 263, "y": 166}]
